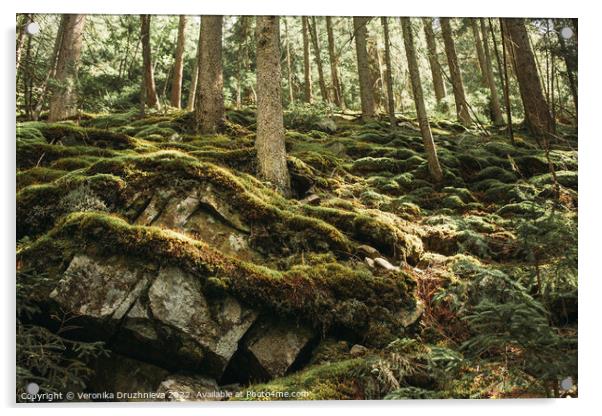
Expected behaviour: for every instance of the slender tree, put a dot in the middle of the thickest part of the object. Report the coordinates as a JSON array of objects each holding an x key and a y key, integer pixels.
[
  {"x": 363, "y": 67},
  {"x": 487, "y": 69},
  {"x": 195, "y": 76},
  {"x": 570, "y": 61},
  {"x": 431, "y": 44},
  {"x": 537, "y": 112},
  {"x": 271, "y": 152},
  {"x": 334, "y": 69},
  {"x": 388, "y": 73},
  {"x": 242, "y": 61},
  {"x": 425, "y": 129},
  {"x": 178, "y": 70},
  {"x": 51, "y": 69},
  {"x": 313, "y": 31},
  {"x": 289, "y": 63},
  {"x": 505, "y": 79},
  {"x": 63, "y": 102},
  {"x": 210, "y": 106},
  {"x": 20, "y": 38},
  {"x": 454, "y": 72},
  {"x": 150, "y": 90},
  {"x": 307, "y": 86}
]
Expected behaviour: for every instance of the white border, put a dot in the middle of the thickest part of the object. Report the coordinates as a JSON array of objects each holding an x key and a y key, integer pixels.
[{"x": 590, "y": 235}]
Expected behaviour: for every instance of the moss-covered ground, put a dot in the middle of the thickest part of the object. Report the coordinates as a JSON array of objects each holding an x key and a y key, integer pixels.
[{"x": 499, "y": 230}]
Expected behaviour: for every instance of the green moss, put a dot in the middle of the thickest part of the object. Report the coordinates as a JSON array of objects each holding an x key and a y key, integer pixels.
[
  {"x": 381, "y": 164},
  {"x": 453, "y": 202},
  {"x": 323, "y": 294},
  {"x": 524, "y": 209},
  {"x": 30, "y": 154},
  {"x": 37, "y": 175},
  {"x": 73, "y": 163},
  {"x": 495, "y": 172},
  {"x": 568, "y": 179}
]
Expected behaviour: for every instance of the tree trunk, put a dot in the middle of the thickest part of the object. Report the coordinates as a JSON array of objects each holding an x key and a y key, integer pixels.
[
  {"x": 289, "y": 65},
  {"x": 506, "y": 81},
  {"x": 210, "y": 109},
  {"x": 425, "y": 129},
  {"x": 455, "y": 74},
  {"x": 431, "y": 44},
  {"x": 313, "y": 30},
  {"x": 271, "y": 152},
  {"x": 487, "y": 70},
  {"x": 363, "y": 67},
  {"x": 149, "y": 78},
  {"x": 388, "y": 74},
  {"x": 63, "y": 103},
  {"x": 306, "y": 64},
  {"x": 537, "y": 113},
  {"x": 334, "y": 70},
  {"x": 176, "y": 85},
  {"x": 195, "y": 77},
  {"x": 571, "y": 66},
  {"x": 20, "y": 38},
  {"x": 52, "y": 69},
  {"x": 242, "y": 60}
]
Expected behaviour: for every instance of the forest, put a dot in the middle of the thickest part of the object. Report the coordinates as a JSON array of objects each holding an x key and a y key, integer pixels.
[{"x": 295, "y": 207}]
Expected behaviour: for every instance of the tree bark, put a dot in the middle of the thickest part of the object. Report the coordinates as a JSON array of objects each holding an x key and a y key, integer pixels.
[
  {"x": 313, "y": 30},
  {"x": 487, "y": 70},
  {"x": 363, "y": 67},
  {"x": 289, "y": 65},
  {"x": 20, "y": 39},
  {"x": 425, "y": 129},
  {"x": 176, "y": 85},
  {"x": 455, "y": 74},
  {"x": 334, "y": 70},
  {"x": 63, "y": 103},
  {"x": 388, "y": 74},
  {"x": 195, "y": 76},
  {"x": 506, "y": 81},
  {"x": 149, "y": 78},
  {"x": 210, "y": 109},
  {"x": 431, "y": 44},
  {"x": 307, "y": 87},
  {"x": 571, "y": 66},
  {"x": 271, "y": 151},
  {"x": 537, "y": 113}
]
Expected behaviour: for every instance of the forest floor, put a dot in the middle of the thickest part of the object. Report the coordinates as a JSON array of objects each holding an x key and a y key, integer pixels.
[{"x": 372, "y": 282}]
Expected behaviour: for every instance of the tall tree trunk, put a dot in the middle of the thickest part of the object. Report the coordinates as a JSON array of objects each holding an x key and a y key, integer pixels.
[
  {"x": 455, "y": 74},
  {"x": 571, "y": 66},
  {"x": 431, "y": 44},
  {"x": 425, "y": 129},
  {"x": 195, "y": 76},
  {"x": 334, "y": 69},
  {"x": 51, "y": 69},
  {"x": 506, "y": 79},
  {"x": 363, "y": 67},
  {"x": 289, "y": 65},
  {"x": 487, "y": 70},
  {"x": 20, "y": 38},
  {"x": 178, "y": 70},
  {"x": 242, "y": 60},
  {"x": 210, "y": 109},
  {"x": 63, "y": 103},
  {"x": 271, "y": 152},
  {"x": 388, "y": 74},
  {"x": 150, "y": 90},
  {"x": 313, "y": 30},
  {"x": 537, "y": 113},
  {"x": 307, "y": 87}
]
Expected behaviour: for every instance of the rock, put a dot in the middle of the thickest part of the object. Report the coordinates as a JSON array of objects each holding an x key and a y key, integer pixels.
[
  {"x": 367, "y": 251},
  {"x": 177, "y": 211},
  {"x": 409, "y": 318},
  {"x": 180, "y": 388},
  {"x": 327, "y": 124},
  {"x": 384, "y": 264},
  {"x": 100, "y": 289},
  {"x": 312, "y": 199},
  {"x": 119, "y": 374},
  {"x": 208, "y": 331},
  {"x": 270, "y": 350},
  {"x": 369, "y": 262},
  {"x": 358, "y": 350}
]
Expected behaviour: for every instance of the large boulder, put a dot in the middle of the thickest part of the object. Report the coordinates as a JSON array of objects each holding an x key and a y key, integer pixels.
[
  {"x": 270, "y": 350},
  {"x": 176, "y": 316}
]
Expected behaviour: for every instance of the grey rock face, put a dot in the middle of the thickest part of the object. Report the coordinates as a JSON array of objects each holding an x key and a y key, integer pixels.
[{"x": 276, "y": 346}]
